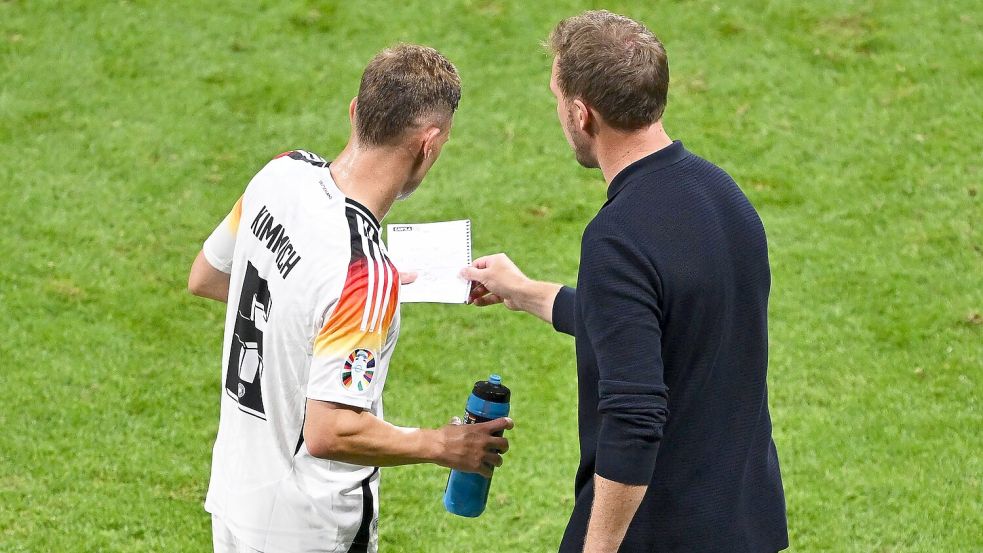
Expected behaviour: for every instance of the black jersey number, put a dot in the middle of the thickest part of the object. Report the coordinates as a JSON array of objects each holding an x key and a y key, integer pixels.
[{"x": 244, "y": 374}]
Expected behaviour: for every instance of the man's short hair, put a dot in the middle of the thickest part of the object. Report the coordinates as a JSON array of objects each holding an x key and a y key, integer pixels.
[
  {"x": 614, "y": 65},
  {"x": 402, "y": 87}
]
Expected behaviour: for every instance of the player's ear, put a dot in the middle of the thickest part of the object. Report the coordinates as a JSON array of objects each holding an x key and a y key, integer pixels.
[
  {"x": 430, "y": 141},
  {"x": 351, "y": 109}
]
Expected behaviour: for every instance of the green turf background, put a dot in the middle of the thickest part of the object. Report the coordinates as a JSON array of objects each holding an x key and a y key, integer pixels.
[{"x": 128, "y": 129}]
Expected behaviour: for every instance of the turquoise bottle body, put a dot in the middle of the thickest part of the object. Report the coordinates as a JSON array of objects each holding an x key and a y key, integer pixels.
[{"x": 467, "y": 493}]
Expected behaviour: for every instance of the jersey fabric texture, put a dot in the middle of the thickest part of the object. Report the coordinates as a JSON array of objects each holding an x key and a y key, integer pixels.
[{"x": 313, "y": 313}]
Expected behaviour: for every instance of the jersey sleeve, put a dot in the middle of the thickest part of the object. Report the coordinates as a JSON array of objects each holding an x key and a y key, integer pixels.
[
  {"x": 347, "y": 364},
  {"x": 220, "y": 245}
]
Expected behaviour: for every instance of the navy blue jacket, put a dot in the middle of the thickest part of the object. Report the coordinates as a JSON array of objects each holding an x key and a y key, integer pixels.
[{"x": 671, "y": 324}]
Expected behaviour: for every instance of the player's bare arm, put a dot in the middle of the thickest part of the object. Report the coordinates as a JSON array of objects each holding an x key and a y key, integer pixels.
[
  {"x": 498, "y": 280},
  {"x": 207, "y": 281},
  {"x": 352, "y": 435}
]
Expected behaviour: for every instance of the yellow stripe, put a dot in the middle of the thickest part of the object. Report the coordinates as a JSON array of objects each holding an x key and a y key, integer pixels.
[{"x": 234, "y": 216}]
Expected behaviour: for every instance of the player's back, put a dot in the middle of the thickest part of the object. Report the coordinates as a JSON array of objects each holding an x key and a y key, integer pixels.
[{"x": 313, "y": 313}]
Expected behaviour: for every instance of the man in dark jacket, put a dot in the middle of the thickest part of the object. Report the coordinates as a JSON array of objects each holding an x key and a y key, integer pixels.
[{"x": 670, "y": 318}]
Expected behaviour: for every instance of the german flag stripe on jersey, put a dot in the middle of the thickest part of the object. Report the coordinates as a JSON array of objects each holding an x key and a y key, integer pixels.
[
  {"x": 235, "y": 216},
  {"x": 370, "y": 297}
]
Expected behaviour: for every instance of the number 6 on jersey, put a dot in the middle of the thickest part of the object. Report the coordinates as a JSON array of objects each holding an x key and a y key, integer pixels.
[{"x": 245, "y": 370}]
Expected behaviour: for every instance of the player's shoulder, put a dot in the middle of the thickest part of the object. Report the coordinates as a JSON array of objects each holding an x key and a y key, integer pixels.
[
  {"x": 295, "y": 163},
  {"x": 290, "y": 167}
]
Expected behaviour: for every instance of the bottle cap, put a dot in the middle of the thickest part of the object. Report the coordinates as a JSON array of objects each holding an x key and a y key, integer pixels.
[{"x": 492, "y": 390}]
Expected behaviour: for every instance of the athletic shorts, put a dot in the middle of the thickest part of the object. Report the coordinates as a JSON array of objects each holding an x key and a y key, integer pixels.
[{"x": 225, "y": 542}]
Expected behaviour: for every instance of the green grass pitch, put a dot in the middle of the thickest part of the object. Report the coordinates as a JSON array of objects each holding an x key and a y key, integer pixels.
[{"x": 128, "y": 129}]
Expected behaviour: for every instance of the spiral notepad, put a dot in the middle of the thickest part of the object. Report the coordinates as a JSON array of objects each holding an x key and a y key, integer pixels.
[{"x": 436, "y": 252}]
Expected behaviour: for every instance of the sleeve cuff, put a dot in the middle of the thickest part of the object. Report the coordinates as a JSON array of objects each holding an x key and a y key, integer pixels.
[
  {"x": 622, "y": 456},
  {"x": 564, "y": 311},
  {"x": 214, "y": 261},
  {"x": 361, "y": 403}
]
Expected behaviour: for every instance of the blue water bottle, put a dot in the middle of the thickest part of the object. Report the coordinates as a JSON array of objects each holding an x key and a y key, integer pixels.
[{"x": 467, "y": 492}]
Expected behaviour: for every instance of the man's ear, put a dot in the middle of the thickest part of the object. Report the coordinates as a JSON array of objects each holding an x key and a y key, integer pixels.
[
  {"x": 351, "y": 109},
  {"x": 583, "y": 116},
  {"x": 429, "y": 141}
]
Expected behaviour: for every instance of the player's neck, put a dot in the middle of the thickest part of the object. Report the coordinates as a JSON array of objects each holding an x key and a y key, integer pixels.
[
  {"x": 372, "y": 177},
  {"x": 617, "y": 150}
]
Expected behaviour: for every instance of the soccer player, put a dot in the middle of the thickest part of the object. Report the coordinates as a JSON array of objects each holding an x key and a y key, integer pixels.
[
  {"x": 312, "y": 321},
  {"x": 669, "y": 316}
]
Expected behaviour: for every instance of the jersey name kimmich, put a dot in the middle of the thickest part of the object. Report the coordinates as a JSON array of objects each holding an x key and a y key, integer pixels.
[{"x": 277, "y": 241}]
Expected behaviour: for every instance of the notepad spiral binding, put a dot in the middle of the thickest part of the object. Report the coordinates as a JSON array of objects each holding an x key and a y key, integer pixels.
[{"x": 467, "y": 224}]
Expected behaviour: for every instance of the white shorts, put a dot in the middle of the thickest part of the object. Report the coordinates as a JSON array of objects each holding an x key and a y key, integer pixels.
[
  {"x": 225, "y": 542},
  {"x": 352, "y": 526}
]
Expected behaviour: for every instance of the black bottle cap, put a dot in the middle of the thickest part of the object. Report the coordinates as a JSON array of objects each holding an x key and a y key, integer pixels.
[{"x": 492, "y": 390}]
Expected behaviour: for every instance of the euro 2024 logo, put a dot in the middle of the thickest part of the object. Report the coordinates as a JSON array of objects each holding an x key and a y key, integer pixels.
[{"x": 359, "y": 370}]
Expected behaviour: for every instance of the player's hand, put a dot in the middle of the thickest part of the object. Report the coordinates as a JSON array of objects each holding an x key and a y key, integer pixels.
[
  {"x": 495, "y": 279},
  {"x": 407, "y": 278},
  {"x": 473, "y": 447}
]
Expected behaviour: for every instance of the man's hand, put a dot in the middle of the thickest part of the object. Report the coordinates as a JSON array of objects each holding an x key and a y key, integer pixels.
[
  {"x": 407, "y": 278},
  {"x": 498, "y": 280},
  {"x": 473, "y": 447}
]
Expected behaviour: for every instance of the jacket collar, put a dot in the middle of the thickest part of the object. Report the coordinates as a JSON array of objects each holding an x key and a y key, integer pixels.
[{"x": 659, "y": 159}]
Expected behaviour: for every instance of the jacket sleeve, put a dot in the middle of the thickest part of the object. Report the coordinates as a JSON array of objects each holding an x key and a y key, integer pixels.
[
  {"x": 619, "y": 290},
  {"x": 564, "y": 311}
]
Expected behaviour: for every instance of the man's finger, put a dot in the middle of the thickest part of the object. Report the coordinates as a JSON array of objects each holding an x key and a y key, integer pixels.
[
  {"x": 493, "y": 459},
  {"x": 497, "y": 425},
  {"x": 407, "y": 278},
  {"x": 456, "y": 421},
  {"x": 501, "y": 445},
  {"x": 478, "y": 289},
  {"x": 473, "y": 274},
  {"x": 482, "y": 262},
  {"x": 490, "y": 299}
]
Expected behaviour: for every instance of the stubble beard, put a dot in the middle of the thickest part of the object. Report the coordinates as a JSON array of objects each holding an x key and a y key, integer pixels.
[
  {"x": 582, "y": 150},
  {"x": 585, "y": 157}
]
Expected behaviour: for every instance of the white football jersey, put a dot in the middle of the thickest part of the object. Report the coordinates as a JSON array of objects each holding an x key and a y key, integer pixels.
[{"x": 313, "y": 313}]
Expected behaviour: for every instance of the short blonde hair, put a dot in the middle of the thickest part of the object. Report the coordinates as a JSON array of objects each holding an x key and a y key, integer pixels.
[{"x": 401, "y": 85}]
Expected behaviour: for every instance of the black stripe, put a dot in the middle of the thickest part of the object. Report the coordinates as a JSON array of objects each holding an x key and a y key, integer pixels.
[
  {"x": 355, "y": 233},
  {"x": 313, "y": 159},
  {"x": 366, "y": 212},
  {"x": 300, "y": 439},
  {"x": 361, "y": 542}
]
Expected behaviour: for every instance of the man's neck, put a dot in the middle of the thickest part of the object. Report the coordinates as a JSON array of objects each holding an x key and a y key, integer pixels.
[
  {"x": 618, "y": 150},
  {"x": 373, "y": 177}
]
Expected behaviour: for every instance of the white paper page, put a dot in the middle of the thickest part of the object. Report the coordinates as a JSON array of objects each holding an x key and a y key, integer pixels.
[{"x": 436, "y": 252}]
